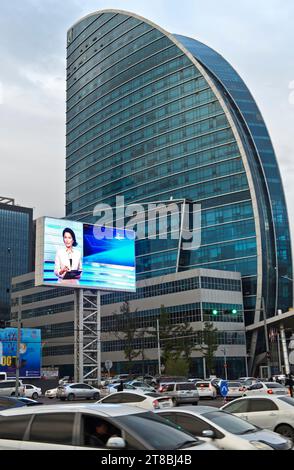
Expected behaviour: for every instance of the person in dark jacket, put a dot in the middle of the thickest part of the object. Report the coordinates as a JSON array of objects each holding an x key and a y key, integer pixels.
[
  {"x": 289, "y": 383},
  {"x": 120, "y": 388}
]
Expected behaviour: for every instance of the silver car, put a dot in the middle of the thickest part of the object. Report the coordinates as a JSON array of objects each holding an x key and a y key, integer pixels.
[
  {"x": 63, "y": 427},
  {"x": 225, "y": 430},
  {"x": 77, "y": 390},
  {"x": 180, "y": 392}
]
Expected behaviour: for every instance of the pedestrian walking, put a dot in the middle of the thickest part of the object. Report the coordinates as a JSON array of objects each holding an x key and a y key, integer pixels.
[{"x": 289, "y": 383}]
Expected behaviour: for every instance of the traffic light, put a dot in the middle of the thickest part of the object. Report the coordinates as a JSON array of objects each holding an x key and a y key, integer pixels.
[
  {"x": 214, "y": 312},
  {"x": 231, "y": 311}
]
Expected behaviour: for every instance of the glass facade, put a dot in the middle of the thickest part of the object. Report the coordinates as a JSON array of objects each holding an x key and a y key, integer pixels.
[
  {"x": 148, "y": 122},
  {"x": 15, "y": 250}
]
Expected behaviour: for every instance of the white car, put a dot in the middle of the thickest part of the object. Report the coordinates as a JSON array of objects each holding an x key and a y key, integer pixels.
[
  {"x": 71, "y": 391},
  {"x": 206, "y": 389},
  {"x": 139, "y": 385},
  {"x": 235, "y": 389},
  {"x": 270, "y": 412},
  {"x": 8, "y": 388},
  {"x": 148, "y": 400},
  {"x": 266, "y": 388},
  {"x": 51, "y": 393},
  {"x": 112, "y": 388},
  {"x": 63, "y": 427},
  {"x": 30, "y": 391},
  {"x": 225, "y": 430}
]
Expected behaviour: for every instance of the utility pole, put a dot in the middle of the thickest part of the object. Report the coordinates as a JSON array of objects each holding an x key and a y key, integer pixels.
[
  {"x": 158, "y": 348},
  {"x": 268, "y": 358},
  {"x": 225, "y": 363},
  {"x": 18, "y": 346}
]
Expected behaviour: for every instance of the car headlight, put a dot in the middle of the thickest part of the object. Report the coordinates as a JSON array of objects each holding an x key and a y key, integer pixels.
[{"x": 261, "y": 445}]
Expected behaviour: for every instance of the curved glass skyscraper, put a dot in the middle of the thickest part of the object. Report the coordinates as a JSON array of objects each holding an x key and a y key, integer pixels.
[{"x": 150, "y": 116}]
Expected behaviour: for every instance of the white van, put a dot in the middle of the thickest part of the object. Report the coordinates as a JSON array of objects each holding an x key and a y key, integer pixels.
[{"x": 7, "y": 388}]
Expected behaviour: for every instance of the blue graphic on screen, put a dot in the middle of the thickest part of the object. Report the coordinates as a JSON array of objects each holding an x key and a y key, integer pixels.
[
  {"x": 110, "y": 261},
  {"x": 101, "y": 258},
  {"x": 30, "y": 352}
]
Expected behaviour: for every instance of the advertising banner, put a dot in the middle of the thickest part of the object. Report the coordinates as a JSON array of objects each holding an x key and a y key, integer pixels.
[
  {"x": 74, "y": 254},
  {"x": 30, "y": 352}
]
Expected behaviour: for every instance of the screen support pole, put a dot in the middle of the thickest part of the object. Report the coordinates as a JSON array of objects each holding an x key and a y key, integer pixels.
[{"x": 87, "y": 336}]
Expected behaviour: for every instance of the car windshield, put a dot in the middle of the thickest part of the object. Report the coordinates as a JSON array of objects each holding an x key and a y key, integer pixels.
[
  {"x": 156, "y": 432},
  {"x": 234, "y": 384},
  {"x": 230, "y": 422},
  {"x": 288, "y": 400}
]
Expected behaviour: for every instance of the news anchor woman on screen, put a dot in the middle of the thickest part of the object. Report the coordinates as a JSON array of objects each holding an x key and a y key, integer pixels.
[{"x": 68, "y": 260}]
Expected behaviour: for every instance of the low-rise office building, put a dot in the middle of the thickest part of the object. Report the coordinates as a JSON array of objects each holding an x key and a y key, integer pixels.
[{"x": 196, "y": 297}]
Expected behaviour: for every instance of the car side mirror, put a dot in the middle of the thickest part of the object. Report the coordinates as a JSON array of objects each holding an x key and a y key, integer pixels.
[
  {"x": 116, "y": 443},
  {"x": 209, "y": 433}
]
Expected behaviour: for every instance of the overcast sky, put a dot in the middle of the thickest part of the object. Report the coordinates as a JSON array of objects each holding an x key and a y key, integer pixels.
[{"x": 256, "y": 37}]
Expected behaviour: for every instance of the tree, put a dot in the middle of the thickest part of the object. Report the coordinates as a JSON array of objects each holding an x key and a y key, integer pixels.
[
  {"x": 209, "y": 345},
  {"x": 126, "y": 330},
  {"x": 176, "y": 342},
  {"x": 178, "y": 366}
]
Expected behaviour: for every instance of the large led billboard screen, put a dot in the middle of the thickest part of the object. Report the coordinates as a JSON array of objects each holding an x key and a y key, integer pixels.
[
  {"x": 29, "y": 352},
  {"x": 74, "y": 254}
]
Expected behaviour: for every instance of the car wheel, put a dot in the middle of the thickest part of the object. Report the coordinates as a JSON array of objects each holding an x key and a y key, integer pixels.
[
  {"x": 96, "y": 396},
  {"x": 195, "y": 403},
  {"x": 13, "y": 394},
  {"x": 35, "y": 396},
  {"x": 70, "y": 397},
  {"x": 286, "y": 431},
  {"x": 175, "y": 403}
]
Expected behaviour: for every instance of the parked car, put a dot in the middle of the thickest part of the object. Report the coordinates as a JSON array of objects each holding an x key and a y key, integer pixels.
[
  {"x": 235, "y": 389},
  {"x": 270, "y": 412},
  {"x": 64, "y": 380},
  {"x": 8, "y": 388},
  {"x": 141, "y": 386},
  {"x": 120, "y": 377},
  {"x": 77, "y": 390},
  {"x": 225, "y": 430},
  {"x": 112, "y": 388},
  {"x": 10, "y": 402},
  {"x": 147, "y": 400},
  {"x": 30, "y": 391},
  {"x": 29, "y": 401},
  {"x": 181, "y": 392},
  {"x": 149, "y": 379},
  {"x": 264, "y": 388},
  {"x": 248, "y": 381},
  {"x": 280, "y": 378},
  {"x": 63, "y": 427},
  {"x": 14, "y": 402},
  {"x": 51, "y": 393},
  {"x": 206, "y": 389}
]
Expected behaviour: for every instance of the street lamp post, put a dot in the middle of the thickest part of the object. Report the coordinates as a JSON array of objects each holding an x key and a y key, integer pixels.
[
  {"x": 158, "y": 348},
  {"x": 225, "y": 363},
  {"x": 18, "y": 346}
]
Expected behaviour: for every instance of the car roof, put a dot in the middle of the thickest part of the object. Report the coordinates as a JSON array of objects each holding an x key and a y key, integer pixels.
[
  {"x": 256, "y": 397},
  {"x": 135, "y": 392},
  {"x": 200, "y": 410},
  {"x": 99, "y": 408}
]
